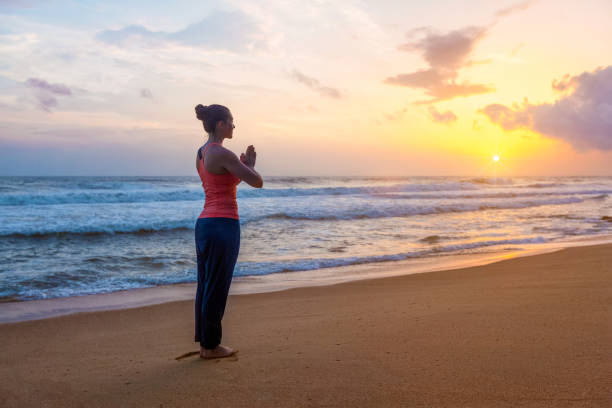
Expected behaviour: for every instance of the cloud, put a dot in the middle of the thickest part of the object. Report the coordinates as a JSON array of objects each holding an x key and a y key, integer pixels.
[
  {"x": 129, "y": 34},
  {"x": 46, "y": 102},
  {"x": 446, "y": 51},
  {"x": 425, "y": 78},
  {"x": 564, "y": 84},
  {"x": 315, "y": 85},
  {"x": 146, "y": 93},
  {"x": 58, "y": 89},
  {"x": 514, "y": 8},
  {"x": 44, "y": 92},
  {"x": 582, "y": 116},
  {"x": 446, "y": 118},
  {"x": 508, "y": 118},
  {"x": 446, "y": 54},
  {"x": 440, "y": 90},
  {"x": 222, "y": 30}
]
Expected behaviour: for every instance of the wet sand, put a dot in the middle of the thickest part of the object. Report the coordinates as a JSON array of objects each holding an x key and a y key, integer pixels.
[{"x": 533, "y": 331}]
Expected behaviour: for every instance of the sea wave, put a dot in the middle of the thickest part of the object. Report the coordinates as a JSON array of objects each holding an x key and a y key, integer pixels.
[
  {"x": 99, "y": 227},
  {"x": 196, "y": 194},
  {"x": 260, "y": 268},
  {"x": 408, "y": 211},
  {"x": 443, "y": 190},
  {"x": 330, "y": 212},
  {"x": 84, "y": 281},
  {"x": 431, "y": 239},
  {"x": 601, "y": 194},
  {"x": 94, "y": 231},
  {"x": 491, "y": 180},
  {"x": 96, "y": 197},
  {"x": 101, "y": 234},
  {"x": 545, "y": 185}
]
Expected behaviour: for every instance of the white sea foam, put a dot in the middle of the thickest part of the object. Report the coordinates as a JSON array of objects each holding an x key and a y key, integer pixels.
[{"x": 72, "y": 236}]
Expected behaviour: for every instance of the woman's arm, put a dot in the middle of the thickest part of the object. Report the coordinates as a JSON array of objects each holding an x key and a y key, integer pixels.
[{"x": 244, "y": 171}]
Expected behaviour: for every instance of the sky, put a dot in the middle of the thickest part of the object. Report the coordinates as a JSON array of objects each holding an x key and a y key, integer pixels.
[{"x": 320, "y": 88}]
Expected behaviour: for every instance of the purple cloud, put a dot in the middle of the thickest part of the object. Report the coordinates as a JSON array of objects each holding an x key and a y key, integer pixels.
[
  {"x": 582, "y": 116},
  {"x": 57, "y": 89},
  {"x": 44, "y": 92},
  {"x": 446, "y": 118},
  {"x": 46, "y": 102},
  {"x": 315, "y": 85}
]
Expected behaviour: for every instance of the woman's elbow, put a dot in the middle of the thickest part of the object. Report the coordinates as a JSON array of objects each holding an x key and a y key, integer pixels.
[{"x": 256, "y": 181}]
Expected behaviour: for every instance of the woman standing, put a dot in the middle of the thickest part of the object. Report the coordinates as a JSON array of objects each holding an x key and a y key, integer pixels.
[{"x": 217, "y": 231}]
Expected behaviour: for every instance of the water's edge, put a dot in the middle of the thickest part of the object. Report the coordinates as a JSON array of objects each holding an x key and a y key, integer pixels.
[{"x": 13, "y": 312}]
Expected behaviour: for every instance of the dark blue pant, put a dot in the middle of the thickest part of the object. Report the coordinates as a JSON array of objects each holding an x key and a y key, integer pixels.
[{"x": 217, "y": 245}]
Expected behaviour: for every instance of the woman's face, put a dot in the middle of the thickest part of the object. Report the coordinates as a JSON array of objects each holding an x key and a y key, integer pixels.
[{"x": 227, "y": 127}]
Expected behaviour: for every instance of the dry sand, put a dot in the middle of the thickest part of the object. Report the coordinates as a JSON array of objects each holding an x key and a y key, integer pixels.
[{"x": 526, "y": 332}]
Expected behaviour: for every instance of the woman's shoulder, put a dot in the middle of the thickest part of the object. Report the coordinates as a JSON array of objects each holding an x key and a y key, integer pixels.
[
  {"x": 220, "y": 150},
  {"x": 218, "y": 155}
]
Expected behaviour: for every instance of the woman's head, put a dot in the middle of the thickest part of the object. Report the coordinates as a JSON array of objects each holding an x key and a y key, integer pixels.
[{"x": 217, "y": 119}]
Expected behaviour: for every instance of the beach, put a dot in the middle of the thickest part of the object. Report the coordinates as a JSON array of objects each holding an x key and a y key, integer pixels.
[
  {"x": 389, "y": 204},
  {"x": 532, "y": 331}
]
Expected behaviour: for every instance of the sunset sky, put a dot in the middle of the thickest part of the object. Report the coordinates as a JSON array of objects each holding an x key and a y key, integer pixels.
[{"x": 319, "y": 87}]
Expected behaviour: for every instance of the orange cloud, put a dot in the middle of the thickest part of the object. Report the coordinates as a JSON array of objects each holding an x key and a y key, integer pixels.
[
  {"x": 446, "y": 54},
  {"x": 446, "y": 118}
]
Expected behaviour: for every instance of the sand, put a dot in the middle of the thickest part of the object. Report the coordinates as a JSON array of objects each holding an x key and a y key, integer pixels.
[{"x": 533, "y": 331}]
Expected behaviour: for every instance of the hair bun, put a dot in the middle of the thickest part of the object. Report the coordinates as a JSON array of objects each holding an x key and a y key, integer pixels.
[
  {"x": 200, "y": 111},
  {"x": 211, "y": 115}
]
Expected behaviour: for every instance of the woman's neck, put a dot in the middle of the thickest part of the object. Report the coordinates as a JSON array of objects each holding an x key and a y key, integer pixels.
[{"x": 212, "y": 138}]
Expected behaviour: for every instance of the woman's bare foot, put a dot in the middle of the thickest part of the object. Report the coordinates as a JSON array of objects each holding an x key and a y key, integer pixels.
[{"x": 218, "y": 352}]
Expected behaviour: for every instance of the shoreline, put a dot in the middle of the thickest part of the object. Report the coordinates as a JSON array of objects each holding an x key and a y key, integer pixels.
[
  {"x": 27, "y": 310},
  {"x": 528, "y": 331}
]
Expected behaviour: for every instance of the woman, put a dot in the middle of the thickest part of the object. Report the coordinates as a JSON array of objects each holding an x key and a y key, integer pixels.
[{"x": 217, "y": 231}]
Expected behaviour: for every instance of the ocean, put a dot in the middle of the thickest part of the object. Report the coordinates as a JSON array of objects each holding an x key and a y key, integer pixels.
[{"x": 70, "y": 236}]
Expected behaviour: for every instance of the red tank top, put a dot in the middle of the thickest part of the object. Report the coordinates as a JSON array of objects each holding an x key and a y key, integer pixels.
[{"x": 219, "y": 192}]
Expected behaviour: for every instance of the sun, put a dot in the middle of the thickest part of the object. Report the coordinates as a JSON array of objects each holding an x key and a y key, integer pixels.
[{"x": 496, "y": 158}]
